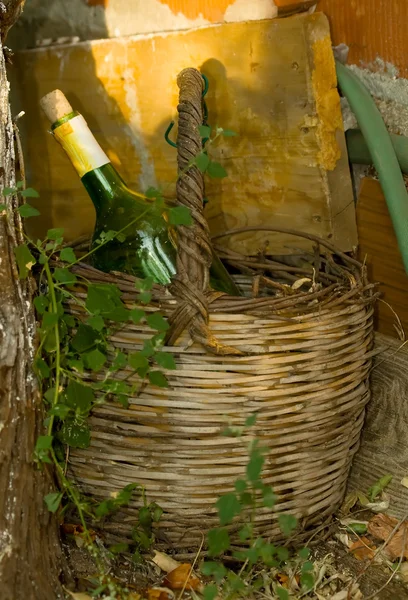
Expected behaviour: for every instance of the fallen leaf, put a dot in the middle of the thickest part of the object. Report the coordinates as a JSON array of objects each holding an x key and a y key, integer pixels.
[
  {"x": 78, "y": 596},
  {"x": 159, "y": 593},
  {"x": 73, "y": 529},
  {"x": 164, "y": 562},
  {"x": 282, "y": 578},
  {"x": 381, "y": 527},
  {"x": 363, "y": 549},
  {"x": 344, "y": 539},
  {"x": 176, "y": 579},
  {"x": 350, "y": 593},
  {"x": 349, "y": 502},
  {"x": 403, "y": 571},
  {"x": 298, "y": 284},
  {"x": 380, "y": 505},
  {"x": 404, "y": 482}
]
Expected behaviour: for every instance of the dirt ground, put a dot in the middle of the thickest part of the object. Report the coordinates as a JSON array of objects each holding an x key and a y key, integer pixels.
[{"x": 374, "y": 579}]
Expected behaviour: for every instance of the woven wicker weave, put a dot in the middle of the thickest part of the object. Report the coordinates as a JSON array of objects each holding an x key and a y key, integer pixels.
[{"x": 299, "y": 359}]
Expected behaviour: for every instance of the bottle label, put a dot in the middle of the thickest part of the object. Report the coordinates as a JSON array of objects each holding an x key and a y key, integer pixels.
[{"x": 79, "y": 143}]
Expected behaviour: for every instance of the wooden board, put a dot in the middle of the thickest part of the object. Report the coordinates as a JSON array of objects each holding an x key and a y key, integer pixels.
[
  {"x": 371, "y": 28},
  {"x": 378, "y": 246},
  {"x": 272, "y": 81}
]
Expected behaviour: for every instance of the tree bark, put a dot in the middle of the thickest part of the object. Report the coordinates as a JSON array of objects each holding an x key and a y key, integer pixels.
[
  {"x": 30, "y": 551},
  {"x": 10, "y": 10}
]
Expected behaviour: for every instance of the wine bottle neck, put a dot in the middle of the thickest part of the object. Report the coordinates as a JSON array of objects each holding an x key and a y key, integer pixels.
[{"x": 77, "y": 140}]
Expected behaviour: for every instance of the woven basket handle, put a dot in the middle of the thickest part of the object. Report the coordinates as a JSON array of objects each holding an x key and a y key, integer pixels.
[
  {"x": 191, "y": 285},
  {"x": 194, "y": 255}
]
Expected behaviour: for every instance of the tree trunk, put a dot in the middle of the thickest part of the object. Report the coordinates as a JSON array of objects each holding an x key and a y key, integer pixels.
[{"x": 30, "y": 551}]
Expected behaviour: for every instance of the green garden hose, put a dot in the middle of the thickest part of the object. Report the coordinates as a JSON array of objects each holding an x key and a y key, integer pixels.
[
  {"x": 382, "y": 152},
  {"x": 359, "y": 152}
]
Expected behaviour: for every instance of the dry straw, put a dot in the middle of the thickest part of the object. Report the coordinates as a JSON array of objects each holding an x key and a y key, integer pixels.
[{"x": 298, "y": 358}]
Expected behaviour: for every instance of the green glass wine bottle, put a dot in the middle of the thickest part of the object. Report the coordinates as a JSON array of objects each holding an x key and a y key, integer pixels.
[{"x": 146, "y": 246}]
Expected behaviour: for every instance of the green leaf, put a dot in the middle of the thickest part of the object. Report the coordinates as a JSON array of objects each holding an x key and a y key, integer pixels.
[
  {"x": 104, "y": 299},
  {"x": 42, "y": 368},
  {"x": 55, "y": 234},
  {"x": 96, "y": 322},
  {"x": 26, "y": 210},
  {"x": 180, "y": 215},
  {"x": 53, "y": 501},
  {"x": 141, "y": 538},
  {"x": 60, "y": 411},
  {"x": 215, "y": 169},
  {"x": 119, "y": 362},
  {"x": 307, "y": 581},
  {"x": 67, "y": 255},
  {"x": 250, "y": 422},
  {"x": 218, "y": 541},
  {"x": 3, "y": 207},
  {"x": 9, "y": 191},
  {"x": 145, "y": 518},
  {"x": 210, "y": 592},
  {"x": 94, "y": 360},
  {"x": 359, "y": 528},
  {"x": 64, "y": 275},
  {"x": 269, "y": 498},
  {"x": 30, "y": 193},
  {"x": 119, "y": 548},
  {"x": 228, "y": 133},
  {"x": 25, "y": 260},
  {"x": 240, "y": 485},
  {"x": 136, "y": 315},
  {"x": 205, "y": 131},
  {"x": 153, "y": 192},
  {"x": 76, "y": 364},
  {"x": 123, "y": 496},
  {"x": 245, "y": 533},
  {"x": 307, "y": 566},
  {"x": 157, "y": 321},
  {"x": 202, "y": 161},
  {"x": 304, "y": 553},
  {"x": 287, "y": 524},
  {"x": 157, "y": 378},
  {"x": 79, "y": 397},
  {"x": 49, "y": 395},
  {"x": 228, "y": 507},
  {"x": 75, "y": 434},
  {"x": 246, "y": 499},
  {"x": 105, "y": 508},
  {"x": 268, "y": 551},
  {"x": 282, "y": 593},
  {"x": 214, "y": 569},
  {"x": 282, "y": 553},
  {"x": 137, "y": 361},
  {"x": 145, "y": 297},
  {"x": 156, "y": 512},
  {"x": 84, "y": 339},
  {"x": 49, "y": 320},
  {"x": 165, "y": 360},
  {"x": 144, "y": 285},
  {"x": 44, "y": 442},
  {"x": 41, "y": 303},
  {"x": 379, "y": 486},
  {"x": 254, "y": 467},
  {"x": 20, "y": 185},
  {"x": 121, "y": 237}
]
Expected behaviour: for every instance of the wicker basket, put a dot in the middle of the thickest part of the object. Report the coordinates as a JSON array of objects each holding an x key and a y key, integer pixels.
[{"x": 298, "y": 358}]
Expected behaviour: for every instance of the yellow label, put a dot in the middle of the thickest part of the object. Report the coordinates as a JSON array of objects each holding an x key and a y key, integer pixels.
[{"x": 82, "y": 148}]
